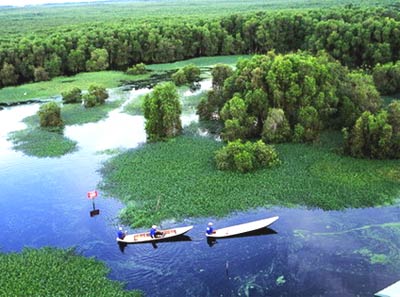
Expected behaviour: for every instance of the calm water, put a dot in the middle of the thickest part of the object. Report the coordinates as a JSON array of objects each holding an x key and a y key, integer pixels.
[{"x": 306, "y": 253}]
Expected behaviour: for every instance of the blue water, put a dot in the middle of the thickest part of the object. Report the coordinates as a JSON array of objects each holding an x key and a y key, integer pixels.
[{"x": 305, "y": 253}]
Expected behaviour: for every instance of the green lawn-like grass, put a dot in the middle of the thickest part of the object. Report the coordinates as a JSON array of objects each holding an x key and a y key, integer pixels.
[
  {"x": 200, "y": 62},
  {"x": 56, "y": 272},
  {"x": 54, "y": 87},
  {"x": 178, "y": 179}
]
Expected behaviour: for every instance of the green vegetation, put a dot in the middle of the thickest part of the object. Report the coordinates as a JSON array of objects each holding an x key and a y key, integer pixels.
[
  {"x": 182, "y": 176},
  {"x": 246, "y": 157},
  {"x": 42, "y": 142},
  {"x": 95, "y": 96},
  {"x": 162, "y": 110},
  {"x": 76, "y": 114},
  {"x": 118, "y": 45},
  {"x": 55, "y": 272},
  {"x": 375, "y": 136},
  {"x": 36, "y": 19},
  {"x": 73, "y": 95},
  {"x": 46, "y": 89},
  {"x": 50, "y": 115},
  {"x": 199, "y": 62},
  {"x": 137, "y": 69},
  {"x": 50, "y": 142}
]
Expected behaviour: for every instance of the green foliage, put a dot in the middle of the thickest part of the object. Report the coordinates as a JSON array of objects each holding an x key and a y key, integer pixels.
[
  {"x": 209, "y": 108},
  {"x": 40, "y": 74},
  {"x": 96, "y": 95},
  {"x": 276, "y": 127},
  {"x": 246, "y": 157},
  {"x": 188, "y": 74},
  {"x": 98, "y": 60},
  {"x": 50, "y": 115},
  {"x": 375, "y": 136},
  {"x": 139, "y": 68},
  {"x": 181, "y": 174},
  {"x": 358, "y": 94},
  {"x": 308, "y": 128},
  {"x": 357, "y": 37},
  {"x": 55, "y": 272},
  {"x": 387, "y": 78},
  {"x": 8, "y": 75},
  {"x": 162, "y": 111},
  {"x": 73, "y": 95}
]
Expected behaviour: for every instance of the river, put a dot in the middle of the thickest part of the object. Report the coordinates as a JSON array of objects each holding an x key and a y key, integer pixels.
[{"x": 307, "y": 252}]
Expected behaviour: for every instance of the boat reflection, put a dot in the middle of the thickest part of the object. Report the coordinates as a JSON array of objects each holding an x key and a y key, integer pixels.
[
  {"x": 261, "y": 232},
  {"x": 123, "y": 245}
]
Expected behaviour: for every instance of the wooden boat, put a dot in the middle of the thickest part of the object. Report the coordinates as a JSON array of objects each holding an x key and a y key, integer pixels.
[
  {"x": 145, "y": 236},
  {"x": 242, "y": 228}
]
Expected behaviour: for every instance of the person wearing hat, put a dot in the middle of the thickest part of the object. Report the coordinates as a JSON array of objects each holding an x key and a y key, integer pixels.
[
  {"x": 210, "y": 229},
  {"x": 121, "y": 234},
  {"x": 154, "y": 233}
]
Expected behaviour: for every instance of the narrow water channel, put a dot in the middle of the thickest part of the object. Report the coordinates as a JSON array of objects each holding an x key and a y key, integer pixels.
[{"x": 305, "y": 253}]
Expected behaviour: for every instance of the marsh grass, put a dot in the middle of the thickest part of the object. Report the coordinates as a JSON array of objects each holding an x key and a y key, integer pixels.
[
  {"x": 56, "y": 272},
  {"x": 180, "y": 176},
  {"x": 54, "y": 87}
]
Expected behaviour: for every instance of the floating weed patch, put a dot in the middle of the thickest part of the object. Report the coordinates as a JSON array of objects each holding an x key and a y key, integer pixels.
[
  {"x": 40, "y": 142},
  {"x": 56, "y": 272},
  {"x": 77, "y": 114},
  {"x": 178, "y": 179}
]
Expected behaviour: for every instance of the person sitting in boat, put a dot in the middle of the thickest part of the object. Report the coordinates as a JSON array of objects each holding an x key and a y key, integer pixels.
[
  {"x": 154, "y": 233},
  {"x": 210, "y": 229},
  {"x": 121, "y": 234}
]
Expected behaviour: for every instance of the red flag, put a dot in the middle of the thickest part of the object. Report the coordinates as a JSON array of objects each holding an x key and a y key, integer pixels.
[{"x": 92, "y": 194}]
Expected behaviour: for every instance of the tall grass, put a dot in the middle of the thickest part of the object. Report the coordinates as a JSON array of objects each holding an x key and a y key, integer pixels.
[
  {"x": 55, "y": 272},
  {"x": 180, "y": 177}
]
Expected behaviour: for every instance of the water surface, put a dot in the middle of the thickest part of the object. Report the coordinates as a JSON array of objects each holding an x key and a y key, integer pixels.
[{"x": 305, "y": 253}]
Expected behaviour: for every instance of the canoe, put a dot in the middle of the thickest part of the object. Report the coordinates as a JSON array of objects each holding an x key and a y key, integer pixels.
[
  {"x": 145, "y": 236},
  {"x": 242, "y": 228}
]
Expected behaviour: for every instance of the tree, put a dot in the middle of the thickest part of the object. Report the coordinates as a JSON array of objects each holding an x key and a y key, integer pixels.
[
  {"x": 50, "y": 115},
  {"x": 40, "y": 74},
  {"x": 72, "y": 96},
  {"x": 162, "y": 110},
  {"x": 8, "y": 75},
  {"x": 98, "y": 60}
]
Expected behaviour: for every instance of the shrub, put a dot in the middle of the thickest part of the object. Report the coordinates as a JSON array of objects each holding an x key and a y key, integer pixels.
[
  {"x": 72, "y": 96},
  {"x": 96, "y": 96},
  {"x": 188, "y": 74},
  {"x": 137, "y": 69},
  {"x": 50, "y": 115},
  {"x": 246, "y": 157}
]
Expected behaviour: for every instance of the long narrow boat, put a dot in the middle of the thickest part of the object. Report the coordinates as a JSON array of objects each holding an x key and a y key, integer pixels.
[
  {"x": 145, "y": 236},
  {"x": 242, "y": 228}
]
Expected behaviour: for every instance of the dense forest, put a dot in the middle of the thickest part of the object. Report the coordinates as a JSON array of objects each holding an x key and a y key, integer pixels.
[{"x": 357, "y": 37}]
